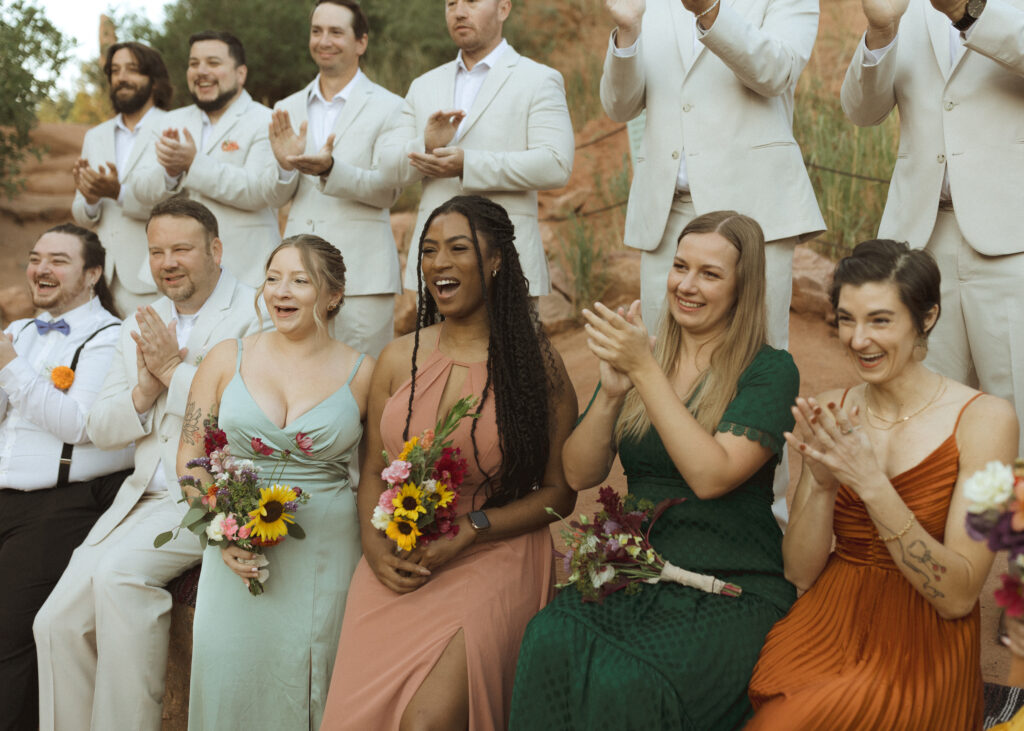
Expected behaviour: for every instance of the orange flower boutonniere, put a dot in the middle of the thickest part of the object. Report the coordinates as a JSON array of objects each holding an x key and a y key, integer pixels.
[
  {"x": 229, "y": 146},
  {"x": 62, "y": 377}
]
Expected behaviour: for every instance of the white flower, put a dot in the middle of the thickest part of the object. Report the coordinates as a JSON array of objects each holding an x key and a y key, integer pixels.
[
  {"x": 215, "y": 530},
  {"x": 429, "y": 486},
  {"x": 989, "y": 488},
  {"x": 602, "y": 577},
  {"x": 589, "y": 545},
  {"x": 380, "y": 518}
]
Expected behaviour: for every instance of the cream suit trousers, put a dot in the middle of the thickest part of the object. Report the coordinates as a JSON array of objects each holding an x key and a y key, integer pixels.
[
  {"x": 112, "y": 595},
  {"x": 654, "y": 269},
  {"x": 979, "y": 338}
]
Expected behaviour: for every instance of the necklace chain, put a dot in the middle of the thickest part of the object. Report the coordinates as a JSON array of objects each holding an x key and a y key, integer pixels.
[{"x": 904, "y": 419}]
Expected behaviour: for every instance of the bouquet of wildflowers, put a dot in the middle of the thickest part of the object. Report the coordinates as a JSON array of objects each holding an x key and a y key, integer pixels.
[
  {"x": 238, "y": 507},
  {"x": 611, "y": 551},
  {"x": 423, "y": 485},
  {"x": 995, "y": 514}
]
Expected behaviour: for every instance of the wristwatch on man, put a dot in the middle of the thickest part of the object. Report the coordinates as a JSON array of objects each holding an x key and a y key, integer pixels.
[
  {"x": 971, "y": 13},
  {"x": 478, "y": 519}
]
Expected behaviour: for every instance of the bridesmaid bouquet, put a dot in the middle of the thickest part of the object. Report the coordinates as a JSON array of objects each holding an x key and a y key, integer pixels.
[
  {"x": 239, "y": 508},
  {"x": 423, "y": 485},
  {"x": 995, "y": 514},
  {"x": 611, "y": 551}
]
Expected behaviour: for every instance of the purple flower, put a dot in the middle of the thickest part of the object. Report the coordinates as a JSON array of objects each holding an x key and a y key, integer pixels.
[
  {"x": 291, "y": 506},
  {"x": 567, "y": 561},
  {"x": 203, "y": 462},
  {"x": 611, "y": 526},
  {"x": 1003, "y": 536}
]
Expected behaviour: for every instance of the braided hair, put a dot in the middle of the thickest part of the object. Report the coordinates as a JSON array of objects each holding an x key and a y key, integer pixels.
[{"x": 520, "y": 364}]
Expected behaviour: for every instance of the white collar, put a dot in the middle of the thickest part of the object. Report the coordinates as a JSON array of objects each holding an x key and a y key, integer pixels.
[
  {"x": 119, "y": 121},
  {"x": 343, "y": 95},
  {"x": 487, "y": 61}
]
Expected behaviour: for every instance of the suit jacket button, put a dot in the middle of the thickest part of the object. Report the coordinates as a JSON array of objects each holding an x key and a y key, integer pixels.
[
  {"x": 675, "y": 154},
  {"x": 940, "y": 158},
  {"x": 949, "y": 105},
  {"x": 687, "y": 107}
]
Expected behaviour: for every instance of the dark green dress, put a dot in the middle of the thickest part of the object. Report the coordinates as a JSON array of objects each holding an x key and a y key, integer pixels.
[{"x": 672, "y": 657}]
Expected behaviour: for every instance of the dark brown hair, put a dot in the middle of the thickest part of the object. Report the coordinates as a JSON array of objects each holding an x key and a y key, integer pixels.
[
  {"x": 182, "y": 206},
  {"x": 235, "y": 48},
  {"x": 93, "y": 255},
  {"x": 360, "y": 25},
  {"x": 151, "y": 64}
]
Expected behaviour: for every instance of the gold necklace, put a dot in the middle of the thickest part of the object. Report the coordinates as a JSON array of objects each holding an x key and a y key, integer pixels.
[{"x": 904, "y": 419}]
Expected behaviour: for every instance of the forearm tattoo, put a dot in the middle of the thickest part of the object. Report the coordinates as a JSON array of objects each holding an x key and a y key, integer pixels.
[
  {"x": 190, "y": 423},
  {"x": 918, "y": 555}
]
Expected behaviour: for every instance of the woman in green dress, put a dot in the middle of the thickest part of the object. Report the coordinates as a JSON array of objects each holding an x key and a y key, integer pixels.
[{"x": 701, "y": 417}]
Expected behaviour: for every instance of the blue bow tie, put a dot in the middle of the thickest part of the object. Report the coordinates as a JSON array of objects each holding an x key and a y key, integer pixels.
[{"x": 59, "y": 325}]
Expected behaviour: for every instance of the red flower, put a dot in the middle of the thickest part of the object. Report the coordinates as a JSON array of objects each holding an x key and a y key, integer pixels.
[
  {"x": 305, "y": 443},
  {"x": 452, "y": 463},
  {"x": 1009, "y": 597},
  {"x": 214, "y": 440},
  {"x": 260, "y": 448}
]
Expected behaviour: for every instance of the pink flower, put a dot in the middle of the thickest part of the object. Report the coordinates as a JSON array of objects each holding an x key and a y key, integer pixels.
[
  {"x": 260, "y": 448},
  {"x": 428, "y": 440},
  {"x": 230, "y": 527},
  {"x": 243, "y": 532},
  {"x": 386, "y": 497},
  {"x": 1009, "y": 597},
  {"x": 396, "y": 473},
  {"x": 305, "y": 443}
]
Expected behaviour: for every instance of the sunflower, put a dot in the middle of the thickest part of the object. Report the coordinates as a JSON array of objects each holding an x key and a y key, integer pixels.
[
  {"x": 404, "y": 533},
  {"x": 407, "y": 449},
  {"x": 409, "y": 502},
  {"x": 269, "y": 518},
  {"x": 445, "y": 495}
]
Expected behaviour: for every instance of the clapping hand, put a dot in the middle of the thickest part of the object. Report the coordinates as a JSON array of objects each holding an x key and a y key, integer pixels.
[
  {"x": 283, "y": 140},
  {"x": 319, "y": 163},
  {"x": 883, "y": 18},
  {"x": 444, "y": 162},
  {"x": 619, "y": 339},
  {"x": 441, "y": 128},
  {"x": 96, "y": 184},
  {"x": 175, "y": 154},
  {"x": 626, "y": 14},
  {"x": 158, "y": 345},
  {"x": 7, "y": 352}
]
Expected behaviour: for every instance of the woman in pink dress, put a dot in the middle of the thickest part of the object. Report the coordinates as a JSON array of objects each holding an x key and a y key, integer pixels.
[{"x": 430, "y": 639}]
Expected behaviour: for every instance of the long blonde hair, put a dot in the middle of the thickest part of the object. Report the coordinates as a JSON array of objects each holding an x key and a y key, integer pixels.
[{"x": 744, "y": 336}]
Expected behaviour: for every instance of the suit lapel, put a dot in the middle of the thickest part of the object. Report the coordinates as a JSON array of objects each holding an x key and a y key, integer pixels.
[
  {"x": 683, "y": 30},
  {"x": 496, "y": 78},
  {"x": 353, "y": 105},
  {"x": 213, "y": 312},
  {"x": 227, "y": 122},
  {"x": 146, "y": 137},
  {"x": 298, "y": 112},
  {"x": 938, "y": 31}
]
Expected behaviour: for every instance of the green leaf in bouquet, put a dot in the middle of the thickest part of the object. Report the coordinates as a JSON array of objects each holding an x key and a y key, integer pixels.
[
  {"x": 193, "y": 517},
  {"x": 163, "y": 538},
  {"x": 203, "y": 540},
  {"x": 295, "y": 531}
]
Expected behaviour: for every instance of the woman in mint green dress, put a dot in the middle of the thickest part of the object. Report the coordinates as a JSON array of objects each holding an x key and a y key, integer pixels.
[
  {"x": 700, "y": 418},
  {"x": 266, "y": 661}
]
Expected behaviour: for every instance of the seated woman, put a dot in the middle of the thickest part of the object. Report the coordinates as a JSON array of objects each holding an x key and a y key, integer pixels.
[
  {"x": 700, "y": 418},
  {"x": 269, "y": 658},
  {"x": 886, "y": 636},
  {"x": 430, "y": 638}
]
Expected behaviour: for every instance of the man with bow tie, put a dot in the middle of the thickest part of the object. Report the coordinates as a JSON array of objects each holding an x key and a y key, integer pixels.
[
  {"x": 54, "y": 483},
  {"x": 955, "y": 71},
  {"x": 102, "y": 635},
  {"x": 217, "y": 152}
]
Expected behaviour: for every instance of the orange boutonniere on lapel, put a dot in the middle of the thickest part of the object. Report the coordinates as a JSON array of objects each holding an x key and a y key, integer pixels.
[
  {"x": 229, "y": 146},
  {"x": 62, "y": 377}
]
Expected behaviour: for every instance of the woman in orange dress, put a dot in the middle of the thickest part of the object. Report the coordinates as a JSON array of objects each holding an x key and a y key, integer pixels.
[
  {"x": 430, "y": 639},
  {"x": 887, "y": 634}
]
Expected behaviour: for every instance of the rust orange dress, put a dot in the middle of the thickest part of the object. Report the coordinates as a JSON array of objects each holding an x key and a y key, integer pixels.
[{"x": 862, "y": 649}]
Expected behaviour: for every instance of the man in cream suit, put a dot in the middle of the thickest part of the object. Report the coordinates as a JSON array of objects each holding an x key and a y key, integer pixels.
[
  {"x": 102, "y": 635},
  {"x": 490, "y": 122},
  {"x": 329, "y": 168},
  {"x": 140, "y": 92},
  {"x": 217, "y": 151},
  {"x": 955, "y": 71},
  {"x": 716, "y": 80}
]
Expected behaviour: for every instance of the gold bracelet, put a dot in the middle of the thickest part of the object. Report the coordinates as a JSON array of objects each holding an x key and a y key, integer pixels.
[
  {"x": 903, "y": 531},
  {"x": 707, "y": 10}
]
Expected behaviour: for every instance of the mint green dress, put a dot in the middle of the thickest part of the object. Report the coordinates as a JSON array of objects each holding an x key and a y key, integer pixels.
[
  {"x": 266, "y": 661},
  {"x": 673, "y": 657}
]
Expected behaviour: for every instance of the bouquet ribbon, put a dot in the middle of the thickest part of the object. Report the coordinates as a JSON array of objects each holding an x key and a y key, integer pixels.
[{"x": 704, "y": 582}]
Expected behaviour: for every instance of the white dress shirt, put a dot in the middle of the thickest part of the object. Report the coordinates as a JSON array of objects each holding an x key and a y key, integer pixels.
[
  {"x": 468, "y": 82},
  {"x": 36, "y": 418},
  {"x": 124, "y": 141}
]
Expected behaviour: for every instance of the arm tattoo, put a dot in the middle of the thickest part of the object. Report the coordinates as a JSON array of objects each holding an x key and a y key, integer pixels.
[
  {"x": 918, "y": 553},
  {"x": 190, "y": 423}
]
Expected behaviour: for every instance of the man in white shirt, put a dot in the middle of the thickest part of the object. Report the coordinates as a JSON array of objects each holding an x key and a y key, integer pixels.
[
  {"x": 140, "y": 92},
  {"x": 102, "y": 635},
  {"x": 54, "y": 483},
  {"x": 217, "y": 151},
  {"x": 955, "y": 71},
  {"x": 329, "y": 168},
  {"x": 490, "y": 122}
]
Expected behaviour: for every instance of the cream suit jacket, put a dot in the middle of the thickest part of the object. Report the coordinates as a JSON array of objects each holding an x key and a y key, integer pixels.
[
  {"x": 350, "y": 208},
  {"x": 234, "y": 175},
  {"x": 968, "y": 118},
  {"x": 113, "y": 422},
  {"x": 121, "y": 226},
  {"x": 728, "y": 108},
  {"x": 517, "y": 139}
]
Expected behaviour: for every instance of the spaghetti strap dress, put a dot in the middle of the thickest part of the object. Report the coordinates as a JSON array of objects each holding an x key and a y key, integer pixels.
[
  {"x": 670, "y": 656},
  {"x": 265, "y": 661},
  {"x": 862, "y": 649},
  {"x": 390, "y": 642}
]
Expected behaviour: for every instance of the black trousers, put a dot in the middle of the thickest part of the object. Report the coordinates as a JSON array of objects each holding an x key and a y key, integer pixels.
[{"x": 38, "y": 532}]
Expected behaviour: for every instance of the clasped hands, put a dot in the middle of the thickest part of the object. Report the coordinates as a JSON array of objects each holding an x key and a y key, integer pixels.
[
  {"x": 96, "y": 184},
  {"x": 156, "y": 355},
  {"x": 404, "y": 572},
  {"x": 290, "y": 148},
  {"x": 884, "y": 16},
  {"x": 438, "y": 160}
]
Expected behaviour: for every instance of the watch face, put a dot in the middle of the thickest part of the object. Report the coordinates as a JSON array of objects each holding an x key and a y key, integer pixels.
[
  {"x": 478, "y": 519},
  {"x": 974, "y": 7}
]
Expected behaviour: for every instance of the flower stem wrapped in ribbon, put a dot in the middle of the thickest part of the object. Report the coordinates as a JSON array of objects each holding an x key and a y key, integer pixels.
[
  {"x": 611, "y": 551},
  {"x": 423, "y": 484}
]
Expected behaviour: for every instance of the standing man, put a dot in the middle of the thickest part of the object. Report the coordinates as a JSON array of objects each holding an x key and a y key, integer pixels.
[
  {"x": 53, "y": 483},
  {"x": 217, "y": 151},
  {"x": 955, "y": 71},
  {"x": 490, "y": 122},
  {"x": 102, "y": 635},
  {"x": 717, "y": 82},
  {"x": 329, "y": 168},
  {"x": 140, "y": 92}
]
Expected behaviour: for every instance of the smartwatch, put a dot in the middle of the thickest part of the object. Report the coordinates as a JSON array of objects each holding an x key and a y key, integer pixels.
[
  {"x": 478, "y": 519},
  {"x": 971, "y": 13}
]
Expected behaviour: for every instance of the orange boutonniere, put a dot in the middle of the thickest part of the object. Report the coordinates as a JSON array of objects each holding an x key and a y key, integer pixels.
[
  {"x": 62, "y": 377},
  {"x": 229, "y": 146}
]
